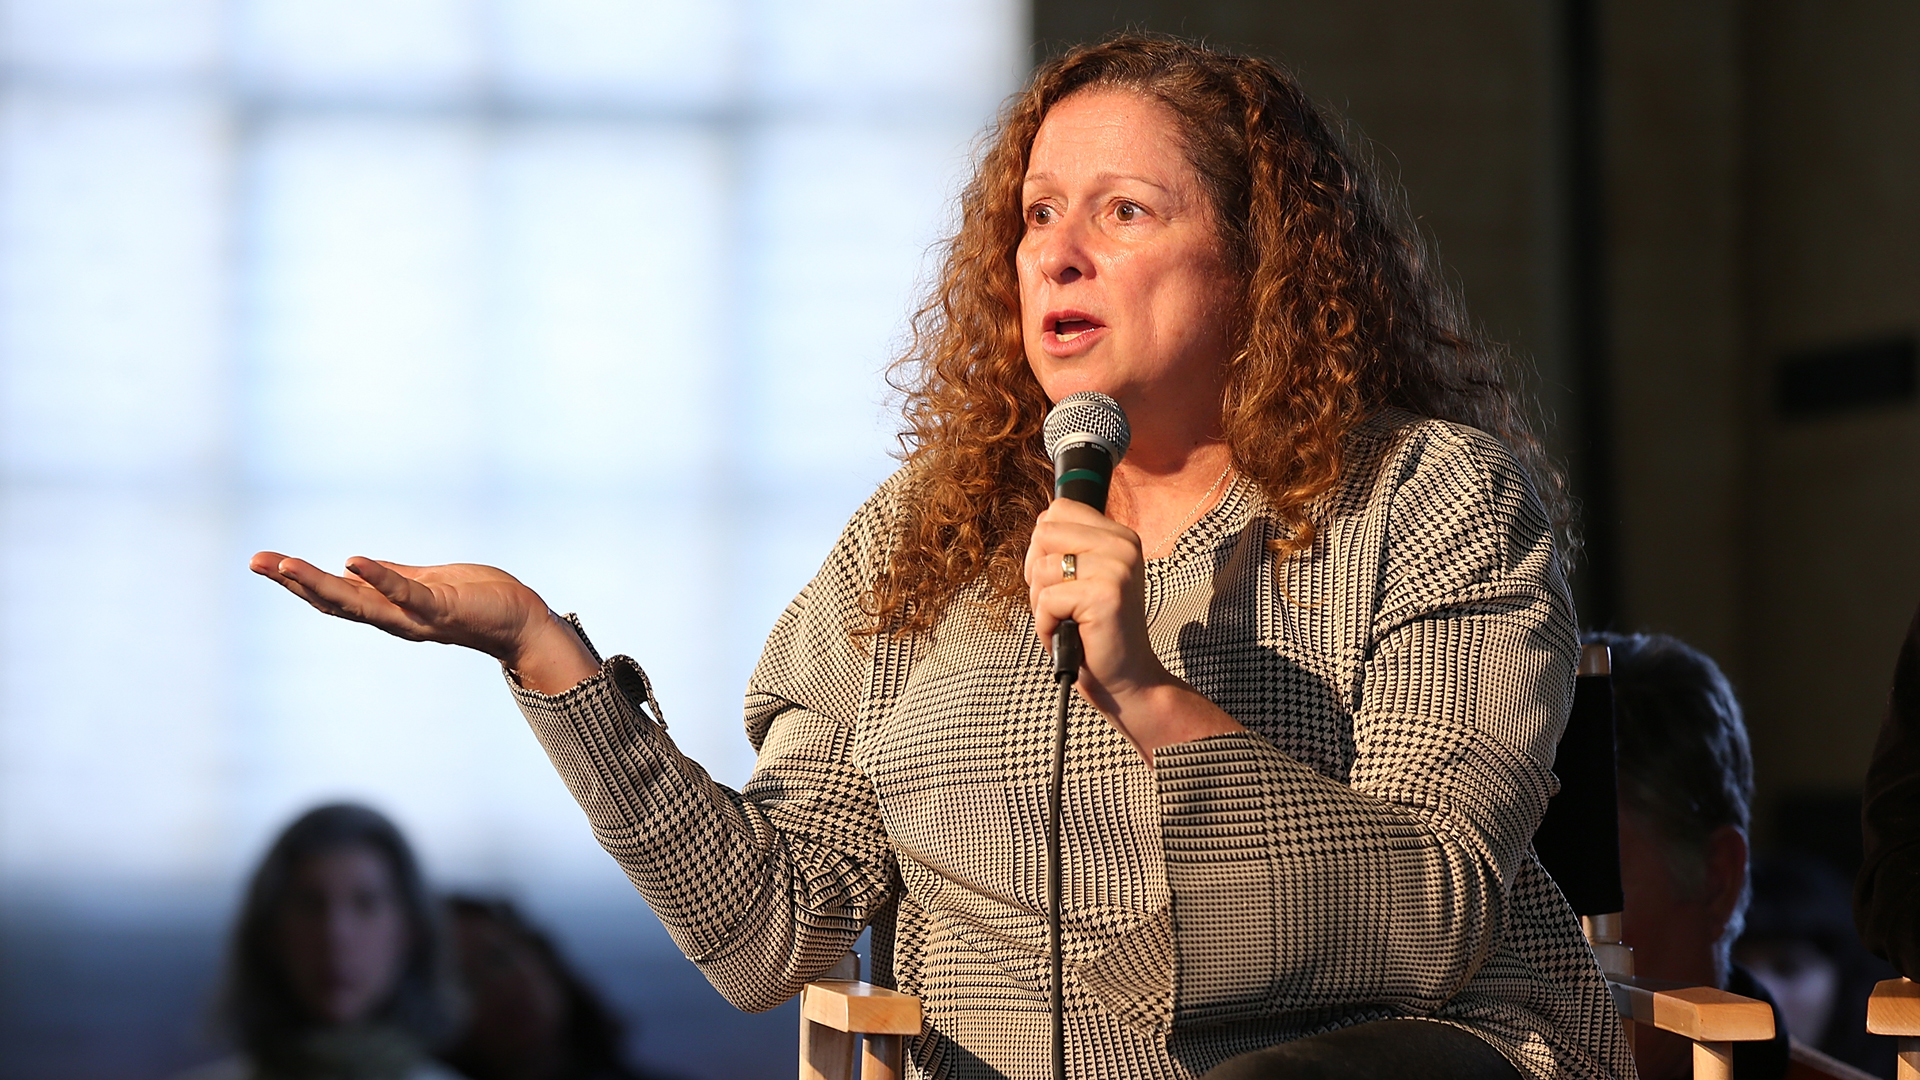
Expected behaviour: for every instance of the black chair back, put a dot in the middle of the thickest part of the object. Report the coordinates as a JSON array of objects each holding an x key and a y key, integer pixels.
[{"x": 1579, "y": 839}]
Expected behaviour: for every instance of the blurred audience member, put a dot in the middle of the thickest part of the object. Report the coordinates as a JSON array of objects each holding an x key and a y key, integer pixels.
[
  {"x": 1800, "y": 943},
  {"x": 1886, "y": 896},
  {"x": 530, "y": 1017},
  {"x": 1686, "y": 787},
  {"x": 336, "y": 966}
]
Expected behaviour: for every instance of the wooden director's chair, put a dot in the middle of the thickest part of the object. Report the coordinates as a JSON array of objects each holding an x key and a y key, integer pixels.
[
  {"x": 839, "y": 1010},
  {"x": 1894, "y": 1009},
  {"x": 1579, "y": 843}
]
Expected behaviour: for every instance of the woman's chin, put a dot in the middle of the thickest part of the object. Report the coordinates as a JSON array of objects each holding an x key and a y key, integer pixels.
[
  {"x": 343, "y": 1009},
  {"x": 1060, "y": 378}
]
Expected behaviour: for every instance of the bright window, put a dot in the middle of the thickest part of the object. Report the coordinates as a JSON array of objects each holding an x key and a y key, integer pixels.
[{"x": 596, "y": 291}]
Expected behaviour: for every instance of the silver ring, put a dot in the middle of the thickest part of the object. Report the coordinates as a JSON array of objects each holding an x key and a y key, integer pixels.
[{"x": 1069, "y": 566}]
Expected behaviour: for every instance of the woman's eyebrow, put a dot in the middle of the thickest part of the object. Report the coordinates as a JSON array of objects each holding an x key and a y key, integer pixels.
[
  {"x": 1108, "y": 177},
  {"x": 1104, "y": 178}
]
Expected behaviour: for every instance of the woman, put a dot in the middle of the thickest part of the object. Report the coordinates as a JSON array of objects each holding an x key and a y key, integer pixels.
[
  {"x": 1328, "y": 642},
  {"x": 529, "y": 1015},
  {"x": 336, "y": 972}
]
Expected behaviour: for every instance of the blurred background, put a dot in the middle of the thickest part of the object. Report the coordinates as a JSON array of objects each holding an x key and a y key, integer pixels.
[{"x": 601, "y": 291}]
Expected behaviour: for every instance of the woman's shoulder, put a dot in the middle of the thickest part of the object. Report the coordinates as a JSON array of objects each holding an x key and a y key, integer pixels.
[
  {"x": 875, "y": 521},
  {"x": 1397, "y": 454},
  {"x": 1439, "y": 486},
  {"x": 860, "y": 552},
  {"x": 1427, "y": 439}
]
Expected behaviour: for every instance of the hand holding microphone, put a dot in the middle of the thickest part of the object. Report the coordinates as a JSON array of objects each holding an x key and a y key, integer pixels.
[
  {"x": 1086, "y": 435},
  {"x": 1097, "y": 597},
  {"x": 1085, "y": 571}
]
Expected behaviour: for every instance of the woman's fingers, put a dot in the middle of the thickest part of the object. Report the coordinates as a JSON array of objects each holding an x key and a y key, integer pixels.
[
  {"x": 266, "y": 563},
  {"x": 1104, "y": 595},
  {"x": 481, "y": 607},
  {"x": 1056, "y": 603},
  {"x": 1094, "y": 595},
  {"x": 1092, "y": 549},
  {"x": 273, "y": 573},
  {"x": 392, "y": 583},
  {"x": 335, "y": 595}
]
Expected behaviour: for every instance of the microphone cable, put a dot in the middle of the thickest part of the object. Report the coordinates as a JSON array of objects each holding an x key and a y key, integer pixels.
[
  {"x": 1086, "y": 435},
  {"x": 1066, "y": 669}
]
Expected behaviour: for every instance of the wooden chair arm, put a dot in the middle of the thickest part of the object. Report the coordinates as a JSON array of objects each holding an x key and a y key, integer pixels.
[
  {"x": 837, "y": 1013},
  {"x": 1894, "y": 1008},
  {"x": 1713, "y": 1019},
  {"x": 1700, "y": 1013},
  {"x": 860, "y": 1007}
]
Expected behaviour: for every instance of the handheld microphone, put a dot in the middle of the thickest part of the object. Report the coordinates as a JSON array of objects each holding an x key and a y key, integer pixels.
[{"x": 1086, "y": 436}]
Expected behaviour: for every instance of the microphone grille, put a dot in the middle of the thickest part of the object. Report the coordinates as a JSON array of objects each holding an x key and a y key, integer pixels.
[{"x": 1088, "y": 416}]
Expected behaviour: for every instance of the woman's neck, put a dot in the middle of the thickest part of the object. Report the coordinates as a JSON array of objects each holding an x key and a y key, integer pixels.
[{"x": 1159, "y": 491}]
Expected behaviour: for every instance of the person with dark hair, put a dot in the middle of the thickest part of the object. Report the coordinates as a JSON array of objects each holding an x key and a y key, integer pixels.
[
  {"x": 1886, "y": 894},
  {"x": 1685, "y": 772},
  {"x": 1328, "y": 643},
  {"x": 1800, "y": 943},
  {"x": 529, "y": 1015},
  {"x": 336, "y": 969}
]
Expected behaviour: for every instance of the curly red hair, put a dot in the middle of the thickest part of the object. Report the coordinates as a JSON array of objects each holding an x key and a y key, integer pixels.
[{"x": 1342, "y": 315}]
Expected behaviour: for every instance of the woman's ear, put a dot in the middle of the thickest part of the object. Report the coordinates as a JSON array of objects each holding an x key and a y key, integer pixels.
[{"x": 1726, "y": 875}]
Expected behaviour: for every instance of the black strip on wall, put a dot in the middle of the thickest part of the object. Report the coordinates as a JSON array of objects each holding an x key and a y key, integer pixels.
[
  {"x": 1845, "y": 378},
  {"x": 1596, "y": 581}
]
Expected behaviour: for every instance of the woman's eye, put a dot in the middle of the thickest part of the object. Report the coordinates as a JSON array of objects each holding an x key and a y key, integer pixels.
[
  {"x": 1040, "y": 215},
  {"x": 1126, "y": 211}
]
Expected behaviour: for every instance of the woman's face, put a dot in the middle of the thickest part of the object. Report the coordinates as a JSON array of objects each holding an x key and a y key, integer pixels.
[
  {"x": 517, "y": 1006},
  {"x": 1123, "y": 285},
  {"x": 343, "y": 934}
]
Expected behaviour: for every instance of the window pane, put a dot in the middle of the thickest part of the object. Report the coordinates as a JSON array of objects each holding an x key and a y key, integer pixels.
[
  {"x": 614, "y": 329},
  {"x": 115, "y": 757},
  {"x": 361, "y": 50},
  {"x": 365, "y": 302},
  {"x": 113, "y": 285},
  {"x": 672, "y": 53},
  {"x": 112, "y": 39},
  {"x": 598, "y": 291}
]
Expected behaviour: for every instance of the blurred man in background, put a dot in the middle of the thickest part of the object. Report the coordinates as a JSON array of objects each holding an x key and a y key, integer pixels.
[{"x": 1686, "y": 792}]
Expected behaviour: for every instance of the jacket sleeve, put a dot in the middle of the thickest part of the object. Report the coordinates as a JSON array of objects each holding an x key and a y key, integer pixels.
[
  {"x": 1886, "y": 897},
  {"x": 766, "y": 887},
  {"x": 1294, "y": 893}
]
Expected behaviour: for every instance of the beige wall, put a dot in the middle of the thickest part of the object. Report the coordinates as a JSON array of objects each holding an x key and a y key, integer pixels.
[
  {"x": 1459, "y": 102},
  {"x": 1762, "y": 196},
  {"x": 1672, "y": 142},
  {"x": 1834, "y": 527}
]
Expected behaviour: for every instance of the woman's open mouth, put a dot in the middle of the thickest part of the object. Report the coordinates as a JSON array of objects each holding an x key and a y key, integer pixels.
[{"x": 1065, "y": 327}]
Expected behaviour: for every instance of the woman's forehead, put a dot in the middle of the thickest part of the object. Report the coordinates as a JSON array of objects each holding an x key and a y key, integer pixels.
[
  {"x": 351, "y": 859},
  {"x": 1110, "y": 134}
]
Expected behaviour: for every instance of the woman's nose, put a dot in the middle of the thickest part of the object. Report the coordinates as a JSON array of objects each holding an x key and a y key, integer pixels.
[{"x": 1063, "y": 254}]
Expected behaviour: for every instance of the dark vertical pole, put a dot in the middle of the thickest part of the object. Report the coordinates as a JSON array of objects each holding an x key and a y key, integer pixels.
[{"x": 1596, "y": 581}]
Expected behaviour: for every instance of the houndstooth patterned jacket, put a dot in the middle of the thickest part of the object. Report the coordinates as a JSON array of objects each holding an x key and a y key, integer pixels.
[{"x": 1363, "y": 852}]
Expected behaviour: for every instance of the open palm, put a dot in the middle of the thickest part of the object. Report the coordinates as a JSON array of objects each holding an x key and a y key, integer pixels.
[{"x": 480, "y": 607}]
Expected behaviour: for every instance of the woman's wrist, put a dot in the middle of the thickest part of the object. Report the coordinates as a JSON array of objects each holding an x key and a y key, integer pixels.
[
  {"x": 550, "y": 657},
  {"x": 1167, "y": 713}
]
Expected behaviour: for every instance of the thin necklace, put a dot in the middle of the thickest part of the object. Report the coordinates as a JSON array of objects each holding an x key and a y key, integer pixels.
[{"x": 1193, "y": 514}]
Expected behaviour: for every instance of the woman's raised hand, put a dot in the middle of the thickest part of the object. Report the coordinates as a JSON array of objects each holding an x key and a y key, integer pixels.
[
  {"x": 1121, "y": 676},
  {"x": 479, "y": 607}
]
